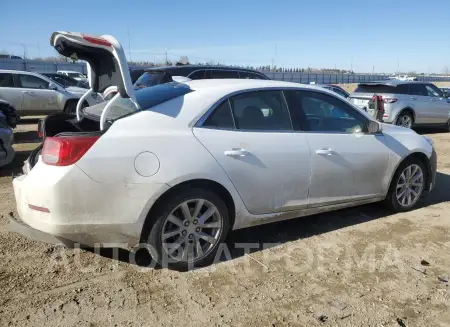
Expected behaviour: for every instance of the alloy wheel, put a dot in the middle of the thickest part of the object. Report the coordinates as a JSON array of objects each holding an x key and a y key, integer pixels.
[
  {"x": 191, "y": 230},
  {"x": 410, "y": 185},
  {"x": 405, "y": 121}
]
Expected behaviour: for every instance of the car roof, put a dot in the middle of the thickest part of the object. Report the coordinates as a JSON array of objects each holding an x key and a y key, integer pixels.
[
  {"x": 392, "y": 82},
  {"x": 187, "y": 69},
  {"x": 207, "y": 92}
]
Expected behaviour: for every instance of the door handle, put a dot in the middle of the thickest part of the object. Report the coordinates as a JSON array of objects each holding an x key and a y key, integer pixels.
[
  {"x": 413, "y": 98},
  {"x": 325, "y": 152},
  {"x": 236, "y": 153},
  {"x": 29, "y": 93},
  {"x": 433, "y": 100}
]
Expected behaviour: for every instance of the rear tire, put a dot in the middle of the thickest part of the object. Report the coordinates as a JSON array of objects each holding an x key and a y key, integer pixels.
[
  {"x": 192, "y": 223},
  {"x": 407, "y": 185},
  {"x": 405, "y": 119},
  {"x": 71, "y": 106}
]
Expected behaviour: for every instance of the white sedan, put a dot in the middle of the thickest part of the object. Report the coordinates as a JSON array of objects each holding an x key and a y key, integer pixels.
[{"x": 178, "y": 165}]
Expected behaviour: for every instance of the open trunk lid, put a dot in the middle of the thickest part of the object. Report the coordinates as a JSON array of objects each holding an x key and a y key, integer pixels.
[{"x": 107, "y": 63}]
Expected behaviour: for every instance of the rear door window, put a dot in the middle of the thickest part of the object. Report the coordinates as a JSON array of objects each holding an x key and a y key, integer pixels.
[
  {"x": 418, "y": 89},
  {"x": 32, "y": 82},
  {"x": 261, "y": 110},
  {"x": 375, "y": 88},
  {"x": 217, "y": 74},
  {"x": 249, "y": 75},
  {"x": 6, "y": 80},
  {"x": 221, "y": 117},
  {"x": 402, "y": 89},
  {"x": 199, "y": 74}
]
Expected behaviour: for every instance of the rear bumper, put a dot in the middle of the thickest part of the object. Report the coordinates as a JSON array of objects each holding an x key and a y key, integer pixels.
[{"x": 58, "y": 204}]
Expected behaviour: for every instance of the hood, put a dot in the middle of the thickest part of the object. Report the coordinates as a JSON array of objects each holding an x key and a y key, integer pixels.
[
  {"x": 76, "y": 89},
  {"x": 107, "y": 64},
  {"x": 394, "y": 129}
]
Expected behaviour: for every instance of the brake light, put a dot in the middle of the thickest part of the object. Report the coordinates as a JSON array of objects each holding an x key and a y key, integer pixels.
[
  {"x": 96, "y": 40},
  {"x": 389, "y": 100},
  {"x": 65, "y": 151}
]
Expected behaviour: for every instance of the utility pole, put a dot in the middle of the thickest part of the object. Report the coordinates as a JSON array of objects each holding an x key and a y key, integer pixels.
[
  {"x": 24, "y": 51},
  {"x": 129, "y": 45},
  {"x": 167, "y": 62},
  {"x": 398, "y": 66}
]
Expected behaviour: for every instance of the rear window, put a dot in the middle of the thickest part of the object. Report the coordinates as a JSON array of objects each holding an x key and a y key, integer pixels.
[
  {"x": 6, "y": 80},
  {"x": 146, "y": 98},
  {"x": 152, "y": 78},
  {"x": 375, "y": 88}
]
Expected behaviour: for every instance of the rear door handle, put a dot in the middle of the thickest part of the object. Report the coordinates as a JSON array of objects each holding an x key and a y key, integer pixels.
[
  {"x": 325, "y": 152},
  {"x": 236, "y": 153},
  {"x": 433, "y": 100},
  {"x": 29, "y": 92},
  {"x": 413, "y": 98}
]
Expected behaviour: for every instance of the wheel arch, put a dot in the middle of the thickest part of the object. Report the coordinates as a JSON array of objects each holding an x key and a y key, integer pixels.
[
  {"x": 424, "y": 159},
  {"x": 406, "y": 109},
  {"x": 202, "y": 183}
]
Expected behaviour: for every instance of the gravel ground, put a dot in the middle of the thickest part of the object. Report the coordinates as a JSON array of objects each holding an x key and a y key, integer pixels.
[{"x": 356, "y": 267}]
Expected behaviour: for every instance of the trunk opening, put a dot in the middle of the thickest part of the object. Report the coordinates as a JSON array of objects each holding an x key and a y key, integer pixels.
[{"x": 63, "y": 124}]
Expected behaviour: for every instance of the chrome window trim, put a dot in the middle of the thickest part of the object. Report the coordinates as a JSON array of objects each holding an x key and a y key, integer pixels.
[{"x": 200, "y": 121}]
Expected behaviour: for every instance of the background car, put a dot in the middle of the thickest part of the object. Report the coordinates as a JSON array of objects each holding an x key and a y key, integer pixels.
[
  {"x": 67, "y": 81},
  {"x": 9, "y": 113},
  {"x": 159, "y": 75},
  {"x": 34, "y": 94},
  {"x": 76, "y": 75},
  {"x": 336, "y": 89},
  {"x": 6, "y": 141},
  {"x": 406, "y": 103}
]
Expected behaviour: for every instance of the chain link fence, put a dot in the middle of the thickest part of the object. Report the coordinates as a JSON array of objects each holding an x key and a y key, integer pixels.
[{"x": 297, "y": 77}]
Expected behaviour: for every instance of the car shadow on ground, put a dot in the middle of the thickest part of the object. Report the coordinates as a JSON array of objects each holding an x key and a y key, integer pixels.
[
  {"x": 27, "y": 121},
  {"x": 26, "y": 137},
  {"x": 265, "y": 236}
]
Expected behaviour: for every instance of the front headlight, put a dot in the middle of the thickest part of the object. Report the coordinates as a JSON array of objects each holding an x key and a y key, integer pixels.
[{"x": 429, "y": 140}]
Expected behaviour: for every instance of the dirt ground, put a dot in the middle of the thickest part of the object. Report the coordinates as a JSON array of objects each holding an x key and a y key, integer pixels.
[{"x": 356, "y": 267}]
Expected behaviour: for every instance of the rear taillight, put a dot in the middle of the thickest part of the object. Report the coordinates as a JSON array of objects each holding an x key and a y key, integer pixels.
[
  {"x": 66, "y": 150},
  {"x": 389, "y": 100},
  {"x": 97, "y": 40}
]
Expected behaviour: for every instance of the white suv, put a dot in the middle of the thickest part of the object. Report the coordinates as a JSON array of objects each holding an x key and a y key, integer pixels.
[
  {"x": 35, "y": 94},
  {"x": 406, "y": 103}
]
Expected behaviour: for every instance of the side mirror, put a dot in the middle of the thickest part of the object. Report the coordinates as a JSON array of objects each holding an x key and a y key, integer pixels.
[
  {"x": 53, "y": 86},
  {"x": 374, "y": 127}
]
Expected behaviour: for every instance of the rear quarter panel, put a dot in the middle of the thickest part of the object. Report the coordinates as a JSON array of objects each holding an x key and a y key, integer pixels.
[{"x": 181, "y": 156}]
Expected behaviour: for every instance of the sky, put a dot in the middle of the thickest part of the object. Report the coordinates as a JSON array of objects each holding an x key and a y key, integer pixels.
[{"x": 379, "y": 36}]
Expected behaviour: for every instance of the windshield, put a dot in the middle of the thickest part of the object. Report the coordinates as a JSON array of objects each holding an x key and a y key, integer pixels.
[
  {"x": 76, "y": 75},
  {"x": 147, "y": 98}
]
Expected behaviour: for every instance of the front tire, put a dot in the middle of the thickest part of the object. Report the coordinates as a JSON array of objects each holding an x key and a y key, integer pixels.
[
  {"x": 407, "y": 185},
  {"x": 405, "y": 119},
  {"x": 188, "y": 229}
]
